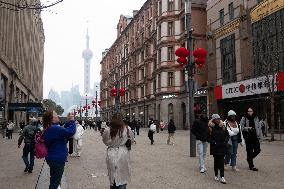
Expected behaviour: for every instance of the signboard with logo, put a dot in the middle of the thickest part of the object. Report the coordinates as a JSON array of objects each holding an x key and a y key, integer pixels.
[{"x": 249, "y": 87}]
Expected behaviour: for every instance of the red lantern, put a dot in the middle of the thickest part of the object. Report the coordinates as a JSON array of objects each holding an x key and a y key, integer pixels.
[
  {"x": 182, "y": 52},
  {"x": 113, "y": 92},
  {"x": 99, "y": 103},
  {"x": 182, "y": 60},
  {"x": 89, "y": 107},
  {"x": 121, "y": 92},
  {"x": 84, "y": 107},
  {"x": 199, "y": 61},
  {"x": 199, "y": 53}
]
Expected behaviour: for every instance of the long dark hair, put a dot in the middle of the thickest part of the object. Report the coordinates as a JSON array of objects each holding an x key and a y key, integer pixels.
[
  {"x": 116, "y": 126},
  {"x": 47, "y": 119}
]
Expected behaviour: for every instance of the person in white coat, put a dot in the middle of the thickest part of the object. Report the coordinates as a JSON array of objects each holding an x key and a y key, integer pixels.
[
  {"x": 78, "y": 139},
  {"x": 116, "y": 137},
  {"x": 236, "y": 138}
]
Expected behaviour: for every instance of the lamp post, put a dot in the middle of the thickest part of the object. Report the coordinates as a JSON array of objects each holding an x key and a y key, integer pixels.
[
  {"x": 86, "y": 114},
  {"x": 189, "y": 69}
]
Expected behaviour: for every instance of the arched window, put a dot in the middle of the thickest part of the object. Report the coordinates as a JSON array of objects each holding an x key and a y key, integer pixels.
[{"x": 171, "y": 111}]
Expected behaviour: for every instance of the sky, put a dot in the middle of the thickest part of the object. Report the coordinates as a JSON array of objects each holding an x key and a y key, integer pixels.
[{"x": 65, "y": 27}]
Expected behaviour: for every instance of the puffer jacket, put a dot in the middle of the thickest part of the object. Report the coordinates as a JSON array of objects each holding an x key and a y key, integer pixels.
[
  {"x": 218, "y": 138},
  {"x": 28, "y": 134}
]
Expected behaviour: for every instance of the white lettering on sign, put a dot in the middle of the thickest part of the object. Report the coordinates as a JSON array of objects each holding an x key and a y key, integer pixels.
[
  {"x": 169, "y": 96},
  {"x": 253, "y": 86}
]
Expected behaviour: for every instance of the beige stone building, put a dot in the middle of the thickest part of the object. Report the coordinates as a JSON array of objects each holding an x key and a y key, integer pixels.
[
  {"x": 21, "y": 59},
  {"x": 142, "y": 59},
  {"x": 245, "y": 38}
]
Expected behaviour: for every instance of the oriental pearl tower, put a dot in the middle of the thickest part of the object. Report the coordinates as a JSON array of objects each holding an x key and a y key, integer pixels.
[{"x": 87, "y": 55}]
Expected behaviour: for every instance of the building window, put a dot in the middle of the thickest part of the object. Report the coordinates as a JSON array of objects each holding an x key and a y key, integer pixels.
[
  {"x": 171, "y": 111},
  {"x": 159, "y": 81},
  {"x": 142, "y": 55},
  {"x": 170, "y": 79},
  {"x": 154, "y": 86},
  {"x": 142, "y": 73},
  {"x": 231, "y": 11},
  {"x": 159, "y": 56},
  {"x": 160, "y": 7},
  {"x": 182, "y": 25},
  {"x": 170, "y": 53},
  {"x": 159, "y": 31},
  {"x": 181, "y": 4},
  {"x": 228, "y": 60},
  {"x": 221, "y": 13},
  {"x": 142, "y": 91},
  {"x": 170, "y": 5},
  {"x": 170, "y": 28}
]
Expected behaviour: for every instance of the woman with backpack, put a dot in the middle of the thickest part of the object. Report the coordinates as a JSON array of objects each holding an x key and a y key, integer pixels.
[
  {"x": 118, "y": 138},
  {"x": 55, "y": 138}
]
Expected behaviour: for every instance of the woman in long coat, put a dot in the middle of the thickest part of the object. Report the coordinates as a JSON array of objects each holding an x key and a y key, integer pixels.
[{"x": 118, "y": 156}]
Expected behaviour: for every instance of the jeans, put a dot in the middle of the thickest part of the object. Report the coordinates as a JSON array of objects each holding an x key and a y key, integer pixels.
[
  {"x": 219, "y": 165},
  {"x": 9, "y": 134},
  {"x": 171, "y": 138},
  {"x": 231, "y": 156},
  {"x": 202, "y": 148},
  {"x": 56, "y": 172},
  {"x": 151, "y": 136},
  {"x": 29, "y": 149}
]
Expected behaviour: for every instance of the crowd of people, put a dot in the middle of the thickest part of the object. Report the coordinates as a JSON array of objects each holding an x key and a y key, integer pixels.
[
  {"x": 119, "y": 134},
  {"x": 224, "y": 138}
]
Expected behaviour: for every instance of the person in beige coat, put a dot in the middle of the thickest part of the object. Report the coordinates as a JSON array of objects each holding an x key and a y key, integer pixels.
[{"x": 118, "y": 157}]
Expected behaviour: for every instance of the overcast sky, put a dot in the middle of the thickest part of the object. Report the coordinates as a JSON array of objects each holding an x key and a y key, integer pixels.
[{"x": 65, "y": 38}]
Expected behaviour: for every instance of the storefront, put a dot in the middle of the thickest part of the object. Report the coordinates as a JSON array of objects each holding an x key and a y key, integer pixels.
[{"x": 253, "y": 93}]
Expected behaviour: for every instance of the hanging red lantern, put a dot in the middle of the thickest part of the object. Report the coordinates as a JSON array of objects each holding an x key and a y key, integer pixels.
[
  {"x": 199, "y": 53},
  {"x": 199, "y": 61},
  {"x": 121, "y": 92},
  {"x": 182, "y": 52},
  {"x": 113, "y": 92},
  {"x": 89, "y": 107},
  {"x": 99, "y": 103},
  {"x": 182, "y": 60},
  {"x": 84, "y": 107}
]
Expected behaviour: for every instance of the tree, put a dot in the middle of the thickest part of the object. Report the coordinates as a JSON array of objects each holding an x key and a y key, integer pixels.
[{"x": 51, "y": 105}]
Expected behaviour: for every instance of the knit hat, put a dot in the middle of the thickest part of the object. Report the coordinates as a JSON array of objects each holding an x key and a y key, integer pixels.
[
  {"x": 215, "y": 116},
  {"x": 232, "y": 113}
]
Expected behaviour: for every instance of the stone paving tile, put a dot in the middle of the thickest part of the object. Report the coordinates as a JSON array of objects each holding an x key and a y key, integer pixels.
[{"x": 153, "y": 167}]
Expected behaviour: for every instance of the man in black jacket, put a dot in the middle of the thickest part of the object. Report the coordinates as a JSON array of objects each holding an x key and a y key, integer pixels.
[{"x": 200, "y": 130}]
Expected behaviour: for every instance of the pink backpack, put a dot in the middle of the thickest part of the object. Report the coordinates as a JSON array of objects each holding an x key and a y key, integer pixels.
[{"x": 40, "y": 148}]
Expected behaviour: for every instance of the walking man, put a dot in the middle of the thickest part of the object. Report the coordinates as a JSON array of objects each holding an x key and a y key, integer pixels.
[
  {"x": 171, "y": 131},
  {"x": 200, "y": 131},
  {"x": 28, "y": 135},
  {"x": 10, "y": 128}
]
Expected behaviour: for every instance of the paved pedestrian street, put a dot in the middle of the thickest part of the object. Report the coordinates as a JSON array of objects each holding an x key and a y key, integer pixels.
[{"x": 159, "y": 166}]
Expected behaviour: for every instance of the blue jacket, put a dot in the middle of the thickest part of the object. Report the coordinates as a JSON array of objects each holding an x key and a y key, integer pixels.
[{"x": 55, "y": 139}]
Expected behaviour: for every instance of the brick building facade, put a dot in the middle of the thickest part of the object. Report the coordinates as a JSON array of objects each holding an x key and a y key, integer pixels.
[
  {"x": 142, "y": 59},
  {"x": 21, "y": 59}
]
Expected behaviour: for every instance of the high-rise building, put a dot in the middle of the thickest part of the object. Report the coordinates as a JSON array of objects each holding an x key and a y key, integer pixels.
[
  {"x": 87, "y": 55},
  {"x": 54, "y": 96}
]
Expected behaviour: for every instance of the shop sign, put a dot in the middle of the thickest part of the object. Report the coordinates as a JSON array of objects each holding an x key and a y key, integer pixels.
[
  {"x": 247, "y": 87},
  {"x": 169, "y": 96},
  {"x": 265, "y": 9}
]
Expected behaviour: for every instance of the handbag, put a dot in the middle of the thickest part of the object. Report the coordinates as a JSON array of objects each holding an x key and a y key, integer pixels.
[{"x": 128, "y": 142}]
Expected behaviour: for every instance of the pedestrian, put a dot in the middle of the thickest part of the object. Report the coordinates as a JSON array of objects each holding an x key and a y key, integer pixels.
[
  {"x": 28, "y": 135},
  {"x": 157, "y": 123},
  {"x": 4, "y": 128},
  {"x": 103, "y": 127},
  {"x": 171, "y": 131},
  {"x": 78, "y": 139},
  {"x": 55, "y": 138},
  {"x": 162, "y": 125},
  {"x": 99, "y": 124},
  {"x": 115, "y": 137},
  {"x": 133, "y": 125},
  {"x": 138, "y": 126},
  {"x": 218, "y": 138},
  {"x": 200, "y": 131},
  {"x": 236, "y": 138},
  {"x": 22, "y": 124},
  {"x": 252, "y": 134},
  {"x": 263, "y": 125},
  {"x": 151, "y": 131},
  {"x": 10, "y": 128}
]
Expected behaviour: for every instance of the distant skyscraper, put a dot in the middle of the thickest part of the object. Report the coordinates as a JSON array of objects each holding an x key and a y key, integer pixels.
[
  {"x": 87, "y": 55},
  {"x": 53, "y": 95}
]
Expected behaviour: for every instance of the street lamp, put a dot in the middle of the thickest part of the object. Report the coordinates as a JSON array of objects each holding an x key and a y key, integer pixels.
[{"x": 185, "y": 59}]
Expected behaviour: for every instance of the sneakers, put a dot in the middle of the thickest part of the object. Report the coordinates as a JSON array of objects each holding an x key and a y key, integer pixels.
[
  {"x": 216, "y": 178},
  {"x": 223, "y": 181},
  {"x": 254, "y": 169},
  {"x": 202, "y": 170},
  {"x": 234, "y": 168}
]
